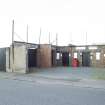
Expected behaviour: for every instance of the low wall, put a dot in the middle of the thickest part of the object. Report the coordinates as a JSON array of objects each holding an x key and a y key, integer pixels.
[{"x": 18, "y": 59}]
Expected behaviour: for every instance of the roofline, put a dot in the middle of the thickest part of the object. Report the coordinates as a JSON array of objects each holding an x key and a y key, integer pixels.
[
  {"x": 85, "y": 45},
  {"x": 24, "y": 42},
  {"x": 62, "y": 46}
]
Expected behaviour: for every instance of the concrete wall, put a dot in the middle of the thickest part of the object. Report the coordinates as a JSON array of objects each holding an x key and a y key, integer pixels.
[
  {"x": 18, "y": 58},
  {"x": 93, "y": 61},
  {"x": 101, "y": 62},
  {"x": 8, "y": 69}
]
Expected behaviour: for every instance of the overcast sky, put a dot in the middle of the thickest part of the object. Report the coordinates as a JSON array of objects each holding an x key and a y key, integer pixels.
[{"x": 71, "y": 19}]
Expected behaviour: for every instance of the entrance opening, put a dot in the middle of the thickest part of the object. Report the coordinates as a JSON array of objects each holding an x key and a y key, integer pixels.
[
  {"x": 32, "y": 58},
  {"x": 65, "y": 59},
  {"x": 2, "y": 59},
  {"x": 98, "y": 55},
  {"x": 53, "y": 55},
  {"x": 86, "y": 59}
]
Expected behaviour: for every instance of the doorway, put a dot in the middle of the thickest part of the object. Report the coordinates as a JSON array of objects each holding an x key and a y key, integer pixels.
[
  {"x": 2, "y": 59},
  {"x": 65, "y": 59},
  {"x": 86, "y": 59},
  {"x": 32, "y": 58},
  {"x": 53, "y": 57}
]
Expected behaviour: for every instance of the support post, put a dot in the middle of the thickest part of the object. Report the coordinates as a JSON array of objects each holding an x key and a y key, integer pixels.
[
  {"x": 56, "y": 39},
  {"x": 27, "y": 70},
  {"x": 12, "y": 45},
  {"x": 49, "y": 38}
]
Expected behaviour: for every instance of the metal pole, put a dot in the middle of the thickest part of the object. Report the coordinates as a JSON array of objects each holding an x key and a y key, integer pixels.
[
  {"x": 39, "y": 49},
  {"x": 27, "y": 50},
  {"x": 56, "y": 45},
  {"x": 86, "y": 38},
  {"x": 27, "y": 33},
  {"x": 40, "y": 35},
  {"x": 12, "y": 31},
  {"x": 86, "y": 42},
  {"x": 49, "y": 38},
  {"x": 13, "y": 44},
  {"x": 71, "y": 37},
  {"x": 56, "y": 39}
]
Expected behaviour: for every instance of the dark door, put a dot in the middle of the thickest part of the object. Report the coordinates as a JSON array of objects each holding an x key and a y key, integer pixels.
[
  {"x": 53, "y": 55},
  {"x": 32, "y": 57},
  {"x": 2, "y": 59},
  {"x": 85, "y": 58},
  {"x": 65, "y": 59}
]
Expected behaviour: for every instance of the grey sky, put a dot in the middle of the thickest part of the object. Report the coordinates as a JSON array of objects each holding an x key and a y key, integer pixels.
[{"x": 71, "y": 19}]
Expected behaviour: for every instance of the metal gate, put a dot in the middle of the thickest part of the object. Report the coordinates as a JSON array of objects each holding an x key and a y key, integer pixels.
[
  {"x": 2, "y": 59},
  {"x": 32, "y": 57},
  {"x": 85, "y": 58}
]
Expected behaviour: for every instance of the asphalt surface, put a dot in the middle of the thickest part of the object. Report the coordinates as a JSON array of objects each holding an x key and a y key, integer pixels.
[
  {"x": 16, "y": 92},
  {"x": 64, "y": 72}
]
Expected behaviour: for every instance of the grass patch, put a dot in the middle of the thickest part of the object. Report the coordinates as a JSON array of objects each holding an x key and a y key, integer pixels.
[{"x": 98, "y": 74}]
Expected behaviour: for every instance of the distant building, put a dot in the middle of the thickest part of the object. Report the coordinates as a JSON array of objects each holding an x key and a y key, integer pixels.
[{"x": 25, "y": 57}]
